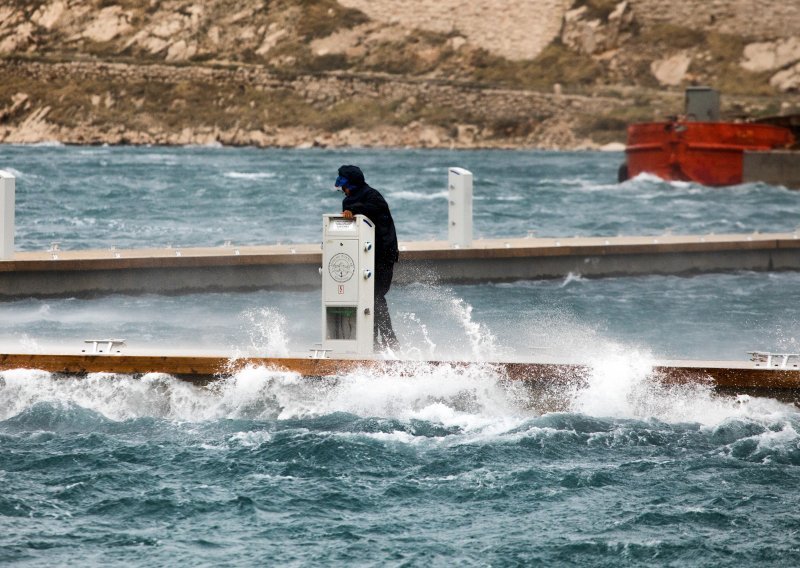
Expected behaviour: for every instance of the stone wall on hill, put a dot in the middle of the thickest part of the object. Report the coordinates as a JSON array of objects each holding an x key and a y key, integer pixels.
[
  {"x": 757, "y": 19},
  {"x": 237, "y": 113}
]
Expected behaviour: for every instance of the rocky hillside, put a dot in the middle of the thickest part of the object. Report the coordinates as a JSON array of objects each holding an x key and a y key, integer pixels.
[{"x": 445, "y": 73}]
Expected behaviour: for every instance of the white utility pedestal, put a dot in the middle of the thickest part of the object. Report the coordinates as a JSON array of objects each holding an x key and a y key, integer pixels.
[
  {"x": 348, "y": 285},
  {"x": 7, "y": 194},
  {"x": 459, "y": 198}
]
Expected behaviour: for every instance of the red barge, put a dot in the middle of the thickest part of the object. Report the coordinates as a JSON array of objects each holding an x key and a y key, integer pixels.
[{"x": 698, "y": 147}]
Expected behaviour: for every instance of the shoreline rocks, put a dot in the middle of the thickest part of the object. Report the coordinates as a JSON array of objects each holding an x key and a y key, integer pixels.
[{"x": 177, "y": 105}]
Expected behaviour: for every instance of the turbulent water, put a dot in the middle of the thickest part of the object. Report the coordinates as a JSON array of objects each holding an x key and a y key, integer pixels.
[
  {"x": 429, "y": 465},
  {"x": 100, "y": 197},
  {"x": 440, "y": 468}
]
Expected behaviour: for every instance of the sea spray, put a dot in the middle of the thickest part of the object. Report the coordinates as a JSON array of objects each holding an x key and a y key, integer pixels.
[
  {"x": 549, "y": 331},
  {"x": 412, "y": 330},
  {"x": 463, "y": 338},
  {"x": 118, "y": 397},
  {"x": 623, "y": 383},
  {"x": 570, "y": 278},
  {"x": 266, "y": 331},
  {"x": 404, "y": 391},
  {"x": 483, "y": 343},
  {"x": 409, "y": 389}
]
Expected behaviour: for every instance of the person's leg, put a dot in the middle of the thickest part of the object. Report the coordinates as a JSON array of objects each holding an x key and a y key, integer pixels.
[
  {"x": 383, "y": 334},
  {"x": 383, "y": 325}
]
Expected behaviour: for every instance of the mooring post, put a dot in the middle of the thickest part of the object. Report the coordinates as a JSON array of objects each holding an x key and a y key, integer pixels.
[
  {"x": 348, "y": 285},
  {"x": 7, "y": 199},
  {"x": 459, "y": 198}
]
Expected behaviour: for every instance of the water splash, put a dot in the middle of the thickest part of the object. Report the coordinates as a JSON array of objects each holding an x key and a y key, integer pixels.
[
  {"x": 570, "y": 278},
  {"x": 556, "y": 334},
  {"x": 266, "y": 331},
  {"x": 29, "y": 344},
  {"x": 467, "y": 396},
  {"x": 462, "y": 395},
  {"x": 623, "y": 384},
  {"x": 413, "y": 327},
  {"x": 117, "y": 397},
  {"x": 475, "y": 398},
  {"x": 451, "y": 332},
  {"x": 483, "y": 343}
]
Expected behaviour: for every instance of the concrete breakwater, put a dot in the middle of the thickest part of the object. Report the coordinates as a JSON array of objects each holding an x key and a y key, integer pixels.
[
  {"x": 296, "y": 266},
  {"x": 549, "y": 382}
]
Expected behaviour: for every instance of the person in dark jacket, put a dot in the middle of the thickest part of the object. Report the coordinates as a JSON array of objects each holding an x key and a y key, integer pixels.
[{"x": 361, "y": 199}]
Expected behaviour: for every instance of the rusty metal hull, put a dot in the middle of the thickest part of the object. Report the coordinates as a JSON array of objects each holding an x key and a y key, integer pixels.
[{"x": 710, "y": 153}]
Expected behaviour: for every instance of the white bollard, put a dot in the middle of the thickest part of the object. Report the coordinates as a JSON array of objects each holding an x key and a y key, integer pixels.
[
  {"x": 7, "y": 195},
  {"x": 459, "y": 197}
]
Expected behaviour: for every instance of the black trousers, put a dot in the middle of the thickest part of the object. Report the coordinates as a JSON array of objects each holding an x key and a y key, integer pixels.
[{"x": 383, "y": 333}]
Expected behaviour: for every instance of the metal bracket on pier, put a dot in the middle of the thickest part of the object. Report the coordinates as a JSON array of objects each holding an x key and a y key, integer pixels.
[
  {"x": 779, "y": 360},
  {"x": 319, "y": 353},
  {"x": 104, "y": 346}
]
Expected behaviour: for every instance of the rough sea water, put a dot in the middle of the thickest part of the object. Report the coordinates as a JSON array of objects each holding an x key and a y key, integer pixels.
[{"x": 431, "y": 466}]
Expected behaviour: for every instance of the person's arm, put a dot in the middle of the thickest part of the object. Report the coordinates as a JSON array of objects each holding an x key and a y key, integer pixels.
[{"x": 373, "y": 208}]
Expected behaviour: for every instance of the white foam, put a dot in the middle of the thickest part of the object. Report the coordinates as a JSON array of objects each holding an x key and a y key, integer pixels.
[
  {"x": 395, "y": 436},
  {"x": 117, "y": 398},
  {"x": 570, "y": 278},
  {"x": 647, "y": 177},
  {"x": 459, "y": 396},
  {"x": 209, "y": 144},
  {"x": 252, "y": 439},
  {"x": 14, "y": 172},
  {"x": 622, "y": 384},
  {"x": 590, "y": 186},
  {"x": 468, "y": 397},
  {"x": 46, "y": 144},
  {"x": 475, "y": 399},
  {"x": 778, "y": 442},
  {"x": 418, "y": 196},
  {"x": 249, "y": 175}
]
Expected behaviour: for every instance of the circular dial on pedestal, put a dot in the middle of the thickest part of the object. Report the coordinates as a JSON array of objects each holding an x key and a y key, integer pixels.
[{"x": 341, "y": 267}]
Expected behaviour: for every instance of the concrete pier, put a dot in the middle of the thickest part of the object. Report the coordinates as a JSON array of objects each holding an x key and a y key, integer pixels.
[
  {"x": 772, "y": 167},
  {"x": 730, "y": 377},
  {"x": 296, "y": 266}
]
